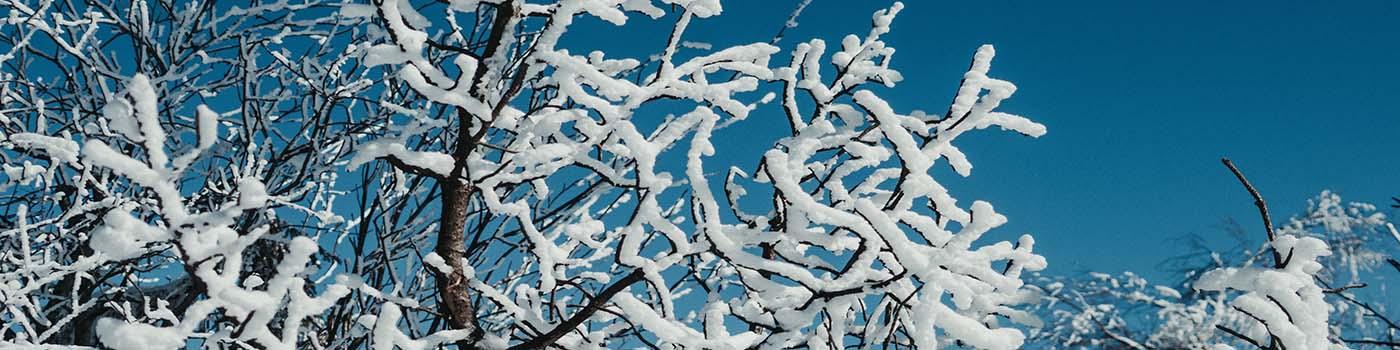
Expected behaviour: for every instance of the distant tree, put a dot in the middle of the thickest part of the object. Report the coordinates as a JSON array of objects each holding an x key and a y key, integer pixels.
[{"x": 1242, "y": 296}]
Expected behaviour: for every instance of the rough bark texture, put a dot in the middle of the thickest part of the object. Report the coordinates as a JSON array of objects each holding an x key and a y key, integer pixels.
[{"x": 456, "y": 302}]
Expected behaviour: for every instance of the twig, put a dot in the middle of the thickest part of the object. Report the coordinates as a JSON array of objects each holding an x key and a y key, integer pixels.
[
  {"x": 1374, "y": 313},
  {"x": 1263, "y": 208},
  {"x": 593, "y": 306},
  {"x": 1239, "y": 335},
  {"x": 1344, "y": 288},
  {"x": 1373, "y": 342}
]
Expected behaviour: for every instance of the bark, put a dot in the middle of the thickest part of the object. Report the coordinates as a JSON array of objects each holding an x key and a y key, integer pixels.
[{"x": 453, "y": 292}]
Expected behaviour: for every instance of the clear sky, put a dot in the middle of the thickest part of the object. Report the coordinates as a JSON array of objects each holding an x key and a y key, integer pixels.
[{"x": 1141, "y": 100}]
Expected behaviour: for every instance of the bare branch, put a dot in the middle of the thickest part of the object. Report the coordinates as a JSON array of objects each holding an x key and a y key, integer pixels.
[{"x": 1263, "y": 209}]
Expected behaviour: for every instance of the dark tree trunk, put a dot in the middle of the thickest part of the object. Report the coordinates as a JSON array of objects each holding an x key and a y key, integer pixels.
[{"x": 453, "y": 292}]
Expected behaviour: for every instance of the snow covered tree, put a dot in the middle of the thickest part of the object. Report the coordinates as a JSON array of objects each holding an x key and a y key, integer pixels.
[
  {"x": 123, "y": 187},
  {"x": 415, "y": 175},
  {"x": 1284, "y": 297},
  {"x": 1317, "y": 299},
  {"x": 524, "y": 117},
  {"x": 1126, "y": 311}
]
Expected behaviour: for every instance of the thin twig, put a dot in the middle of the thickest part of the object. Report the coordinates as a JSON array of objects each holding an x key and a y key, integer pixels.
[
  {"x": 1241, "y": 336},
  {"x": 1263, "y": 209},
  {"x": 1373, "y": 342},
  {"x": 1344, "y": 288}
]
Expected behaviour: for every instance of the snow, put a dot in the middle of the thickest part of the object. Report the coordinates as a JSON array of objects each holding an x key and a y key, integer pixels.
[
  {"x": 439, "y": 163},
  {"x": 1286, "y": 300},
  {"x": 696, "y": 45},
  {"x": 1168, "y": 292},
  {"x": 98, "y": 153},
  {"x": 208, "y": 124},
  {"x": 122, "y": 336},
  {"x": 1393, "y": 232},
  {"x": 883, "y": 258},
  {"x": 1240, "y": 290},
  {"x": 24, "y": 174},
  {"x": 436, "y": 261},
  {"x": 61, "y": 149},
  {"x": 597, "y": 205},
  {"x": 123, "y": 237},
  {"x": 669, "y": 331}
]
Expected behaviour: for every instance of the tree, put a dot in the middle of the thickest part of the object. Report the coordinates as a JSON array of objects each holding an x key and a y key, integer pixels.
[
  {"x": 1241, "y": 296},
  {"x": 319, "y": 175},
  {"x": 90, "y": 232}
]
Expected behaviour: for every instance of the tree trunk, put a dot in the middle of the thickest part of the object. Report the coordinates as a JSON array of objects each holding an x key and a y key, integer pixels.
[
  {"x": 453, "y": 290},
  {"x": 453, "y": 293}
]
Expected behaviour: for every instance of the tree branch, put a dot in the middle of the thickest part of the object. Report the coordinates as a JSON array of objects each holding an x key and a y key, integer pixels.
[
  {"x": 1239, "y": 335},
  {"x": 409, "y": 168},
  {"x": 1373, "y": 342},
  {"x": 1263, "y": 209},
  {"x": 588, "y": 310}
]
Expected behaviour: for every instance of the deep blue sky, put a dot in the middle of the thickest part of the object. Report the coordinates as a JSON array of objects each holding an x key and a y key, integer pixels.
[{"x": 1141, "y": 100}]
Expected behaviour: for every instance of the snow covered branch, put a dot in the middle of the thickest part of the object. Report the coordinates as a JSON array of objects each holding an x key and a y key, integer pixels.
[{"x": 452, "y": 174}]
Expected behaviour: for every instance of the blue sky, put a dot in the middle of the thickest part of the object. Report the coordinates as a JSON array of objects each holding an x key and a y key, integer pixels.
[{"x": 1141, "y": 101}]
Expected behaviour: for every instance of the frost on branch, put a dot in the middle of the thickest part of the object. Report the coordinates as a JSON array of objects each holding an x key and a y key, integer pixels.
[
  {"x": 1107, "y": 311},
  {"x": 1125, "y": 310},
  {"x": 544, "y": 152},
  {"x": 1355, "y": 232},
  {"x": 870, "y": 261},
  {"x": 861, "y": 246},
  {"x": 269, "y": 312},
  {"x": 139, "y": 200},
  {"x": 162, "y": 227},
  {"x": 1285, "y": 300},
  {"x": 1350, "y": 240},
  {"x": 506, "y": 193},
  {"x": 1284, "y": 297}
]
